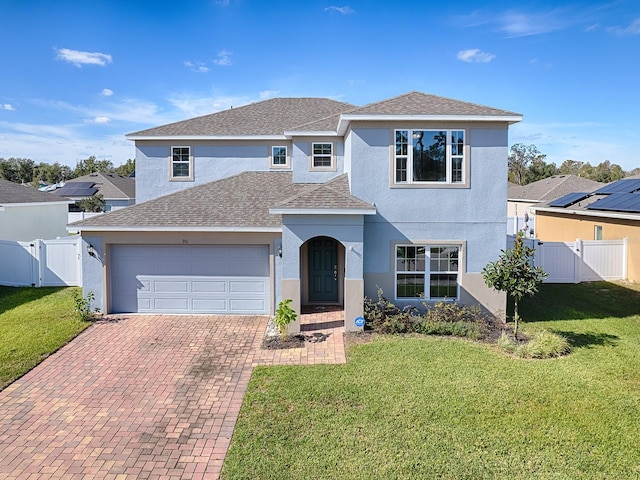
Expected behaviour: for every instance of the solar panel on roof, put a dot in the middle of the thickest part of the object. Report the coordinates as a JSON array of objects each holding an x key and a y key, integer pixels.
[
  {"x": 568, "y": 199},
  {"x": 619, "y": 202},
  {"x": 626, "y": 185},
  {"x": 77, "y": 189}
]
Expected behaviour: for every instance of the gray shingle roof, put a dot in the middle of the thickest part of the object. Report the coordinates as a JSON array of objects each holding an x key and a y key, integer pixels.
[
  {"x": 418, "y": 103},
  {"x": 278, "y": 115},
  {"x": 110, "y": 185},
  {"x": 270, "y": 117},
  {"x": 240, "y": 201},
  {"x": 15, "y": 193},
  {"x": 333, "y": 194},
  {"x": 551, "y": 188}
]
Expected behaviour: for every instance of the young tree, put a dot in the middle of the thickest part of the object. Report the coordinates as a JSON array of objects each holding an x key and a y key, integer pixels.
[
  {"x": 94, "y": 203},
  {"x": 514, "y": 274}
]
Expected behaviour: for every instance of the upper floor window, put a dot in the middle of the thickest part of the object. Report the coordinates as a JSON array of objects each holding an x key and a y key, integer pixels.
[
  {"x": 279, "y": 156},
  {"x": 429, "y": 156},
  {"x": 322, "y": 155},
  {"x": 181, "y": 163}
]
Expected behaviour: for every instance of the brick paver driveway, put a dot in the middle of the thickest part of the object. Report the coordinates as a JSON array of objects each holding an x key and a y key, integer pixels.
[{"x": 140, "y": 397}]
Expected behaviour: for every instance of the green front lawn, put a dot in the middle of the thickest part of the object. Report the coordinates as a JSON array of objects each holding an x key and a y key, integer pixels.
[
  {"x": 428, "y": 407},
  {"x": 34, "y": 322}
]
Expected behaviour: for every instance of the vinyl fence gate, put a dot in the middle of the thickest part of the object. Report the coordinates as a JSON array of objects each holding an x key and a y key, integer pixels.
[
  {"x": 580, "y": 261},
  {"x": 41, "y": 263}
]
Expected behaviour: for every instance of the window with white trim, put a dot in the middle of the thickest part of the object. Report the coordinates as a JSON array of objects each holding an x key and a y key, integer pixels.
[
  {"x": 322, "y": 155},
  {"x": 181, "y": 163},
  {"x": 427, "y": 270},
  {"x": 429, "y": 156},
  {"x": 279, "y": 156}
]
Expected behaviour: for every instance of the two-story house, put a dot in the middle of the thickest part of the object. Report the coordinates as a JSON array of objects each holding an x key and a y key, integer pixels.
[{"x": 310, "y": 199}]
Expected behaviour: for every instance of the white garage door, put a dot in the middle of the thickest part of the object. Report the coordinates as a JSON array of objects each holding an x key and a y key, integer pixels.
[{"x": 190, "y": 279}]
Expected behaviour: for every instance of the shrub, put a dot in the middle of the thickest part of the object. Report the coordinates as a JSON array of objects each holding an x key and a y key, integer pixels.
[
  {"x": 544, "y": 344},
  {"x": 284, "y": 316},
  {"x": 443, "y": 318},
  {"x": 83, "y": 306}
]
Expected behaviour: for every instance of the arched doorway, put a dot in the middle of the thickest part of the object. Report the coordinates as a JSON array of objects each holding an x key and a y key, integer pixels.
[{"x": 322, "y": 262}]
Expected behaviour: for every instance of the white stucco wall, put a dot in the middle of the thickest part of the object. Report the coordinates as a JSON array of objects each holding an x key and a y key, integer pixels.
[{"x": 28, "y": 222}]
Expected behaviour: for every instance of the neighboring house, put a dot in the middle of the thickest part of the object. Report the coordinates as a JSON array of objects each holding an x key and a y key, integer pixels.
[
  {"x": 520, "y": 198},
  {"x": 117, "y": 191},
  {"x": 611, "y": 212},
  {"x": 27, "y": 214},
  {"x": 310, "y": 199}
]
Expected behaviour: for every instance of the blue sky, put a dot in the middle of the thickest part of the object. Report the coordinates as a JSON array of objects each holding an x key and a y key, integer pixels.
[{"x": 76, "y": 76}]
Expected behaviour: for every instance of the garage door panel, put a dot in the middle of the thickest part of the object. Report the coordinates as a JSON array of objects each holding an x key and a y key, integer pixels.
[
  {"x": 169, "y": 286},
  {"x": 246, "y": 286},
  {"x": 190, "y": 279},
  {"x": 171, "y": 304},
  {"x": 212, "y": 286},
  {"x": 209, "y": 305},
  {"x": 237, "y": 305}
]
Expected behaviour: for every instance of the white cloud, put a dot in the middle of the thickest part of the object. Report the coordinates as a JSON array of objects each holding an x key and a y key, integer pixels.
[
  {"x": 223, "y": 59},
  {"x": 346, "y": 10},
  {"x": 99, "y": 120},
  {"x": 106, "y": 92},
  {"x": 78, "y": 58},
  {"x": 196, "y": 66},
  {"x": 632, "y": 29},
  {"x": 6, "y": 106},
  {"x": 474, "y": 55}
]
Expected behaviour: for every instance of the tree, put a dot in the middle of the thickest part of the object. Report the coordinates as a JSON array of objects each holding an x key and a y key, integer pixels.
[
  {"x": 570, "y": 167},
  {"x": 539, "y": 169},
  {"x": 514, "y": 274},
  {"x": 94, "y": 203},
  {"x": 127, "y": 168},
  {"x": 91, "y": 165},
  {"x": 520, "y": 158}
]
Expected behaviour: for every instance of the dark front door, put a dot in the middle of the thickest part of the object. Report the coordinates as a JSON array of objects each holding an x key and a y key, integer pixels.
[{"x": 323, "y": 270}]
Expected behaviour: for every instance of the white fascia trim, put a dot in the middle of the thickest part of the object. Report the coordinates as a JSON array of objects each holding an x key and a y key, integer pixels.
[
  {"x": 589, "y": 213},
  {"x": 38, "y": 204},
  {"x": 322, "y": 211},
  {"x": 347, "y": 118},
  {"x": 310, "y": 133},
  {"x": 80, "y": 228},
  {"x": 175, "y": 138}
]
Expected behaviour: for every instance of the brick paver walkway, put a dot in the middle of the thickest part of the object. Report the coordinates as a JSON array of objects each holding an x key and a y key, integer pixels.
[{"x": 149, "y": 397}]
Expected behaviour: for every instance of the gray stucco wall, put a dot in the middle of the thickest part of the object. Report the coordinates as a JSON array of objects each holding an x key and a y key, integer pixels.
[
  {"x": 347, "y": 229},
  {"x": 210, "y": 162},
  {"x": 300, "y": 161},
  {"x": 474, "y": 215}
]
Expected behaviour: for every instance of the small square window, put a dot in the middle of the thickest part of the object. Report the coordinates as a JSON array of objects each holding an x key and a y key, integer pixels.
[{"x": 279, "y": 156}]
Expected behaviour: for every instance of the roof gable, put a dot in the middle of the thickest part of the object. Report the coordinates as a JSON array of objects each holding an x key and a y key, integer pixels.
[
  {"x": 110, "y": 185},
  {"x": 240, "y": 202},
  {"x": 269, "y": 117},
  {"x": 12, "y": 193},
  {"x": 552, "y": 188}
]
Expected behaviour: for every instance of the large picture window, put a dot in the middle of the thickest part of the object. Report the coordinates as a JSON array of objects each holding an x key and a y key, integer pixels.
[
  {"x": 427, "y": 270},
  {"x": 181, "y": 166},
  {"x": 429, "y": 156}
]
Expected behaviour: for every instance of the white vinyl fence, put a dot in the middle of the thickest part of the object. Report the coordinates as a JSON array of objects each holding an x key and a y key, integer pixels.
[
  {"x": 580, "y": 261},
  {"x": 41, "y": 263}
]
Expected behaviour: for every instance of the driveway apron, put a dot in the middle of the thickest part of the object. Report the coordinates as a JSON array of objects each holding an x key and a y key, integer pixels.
[{"x": 132, "y": 397}]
